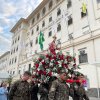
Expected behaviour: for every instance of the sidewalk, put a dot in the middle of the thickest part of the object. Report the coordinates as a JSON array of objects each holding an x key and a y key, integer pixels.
[{"x": 91, "y": 98}]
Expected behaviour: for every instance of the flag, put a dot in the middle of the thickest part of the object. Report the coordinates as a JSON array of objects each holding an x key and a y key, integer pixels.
[
  {"x": 84, "y": 8},
  {"x": 41, "y": 40}
]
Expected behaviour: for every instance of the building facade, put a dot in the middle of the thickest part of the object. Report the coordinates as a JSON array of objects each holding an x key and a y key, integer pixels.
[
  {"x": 4, "y": 66},
  {"x": 4, "y": 61},
  {"x": 76, "y": 28}
]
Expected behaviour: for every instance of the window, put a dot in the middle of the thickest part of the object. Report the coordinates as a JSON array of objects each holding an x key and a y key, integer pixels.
[
  {"x": 50, "y": 34},
  {"x": 31, "y": 43},
  {"x": 33, "y": 20},
  {"x": 15, "y": 59},
  {"x": 36, "y": 40},
  {"x": 32, "y": 32},
  {"x": 58, "y": 12},
  {"x": 37, "y": 28},
  {"x": 58, "y": 28},
  {"x": 98, "y": 1},
  {"x": 50, "y": 4},
  {"x": 13, "y": 43},
  {"x": 83, "y": 14},
  {"x": 43, "y": 23},
  {"x": 14, "y": 50},
  {"x": 44, "y": 11},
  {"x": 70, "y": 36},
  {"x": 50, "y": 19},
  {"x": 12, "y": 61},
  {"x": 18, "y": 38},
  {"x": 38, "y": 16},
  {"x": 26, "y": 45},
  {"x": 57, "y": 1},
  {"x": 70, "y": 20},
  {"x": 11, "y": 52},
  {"x": 29, "y": 68},
  {"x": 19, "y": 72},
  {"x": 69, "y": 4},
  {"x": 13, "y": 72},
  {"x": 17, "y": 48},
  {"x": 15, "y": 40},
  {"x": 83, "y": 58}
]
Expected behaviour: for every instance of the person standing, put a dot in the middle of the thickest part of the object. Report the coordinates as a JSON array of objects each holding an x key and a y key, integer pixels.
[
  {"x": 44, "y": 90},
  {"x": 20, "y": 89},
  {"x": 34, "y": 91},
  {"x": 79, "y": 92},
  {"x": 3, "y": 91},
  {"x": 59, "y": 89}
]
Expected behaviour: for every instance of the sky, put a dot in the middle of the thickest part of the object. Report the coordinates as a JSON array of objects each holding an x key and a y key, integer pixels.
[{"x": 10, "y": 12}]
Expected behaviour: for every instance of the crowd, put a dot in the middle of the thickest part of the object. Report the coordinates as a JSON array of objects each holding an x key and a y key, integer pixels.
[{"x": 56, "y": 88}]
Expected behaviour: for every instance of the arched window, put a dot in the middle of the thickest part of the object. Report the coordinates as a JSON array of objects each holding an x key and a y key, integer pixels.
[
  {"x": 57, "y": 1},
  {"x": 59, "y": 27},
  {"x": 43, "y": 23},
  {"x": 38, "y": 16},
  {"x": 50, "y": 34},
  {"x": 50, "y": 4},
  {"x": 32, "y": 32},
  {"x": 15, "y": 59},
  {"x": 17, "y": 48},
  {"x": 33, "y": 20},
  {"x": 44, "y": 11},
  {"x": 36, "y": 40},
  {"x": 37, "y": 28},
  {"x": 58, "y": 12},
  {"x": 70, "y": 20}
]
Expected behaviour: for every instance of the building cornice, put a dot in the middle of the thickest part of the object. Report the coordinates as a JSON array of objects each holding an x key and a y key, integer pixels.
[
  {"x": 17, "y": 24},
  {"x": 46, "y": 14},
  {"x": 6, "y": 53},
  {"x": 87, "y": 37},
  {"x": 30, "y": 16},
  {"x": 40, "y": 6}
]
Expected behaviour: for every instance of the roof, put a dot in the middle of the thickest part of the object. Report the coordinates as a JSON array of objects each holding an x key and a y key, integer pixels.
[
  {"x": 8, "y": 52},
  {"x": 17, "y": 24},
  {"x": 30, "y": 16},
  {"x": 40, "y": 6}
]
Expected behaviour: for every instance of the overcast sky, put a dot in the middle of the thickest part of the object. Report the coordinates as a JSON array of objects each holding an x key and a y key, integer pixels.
[{"x": 10, "y": 12}]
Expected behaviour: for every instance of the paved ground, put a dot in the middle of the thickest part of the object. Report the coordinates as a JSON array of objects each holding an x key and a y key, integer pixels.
[
  {"x": 91, "y": 98},
  {"x": 94, "y": 98}
]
